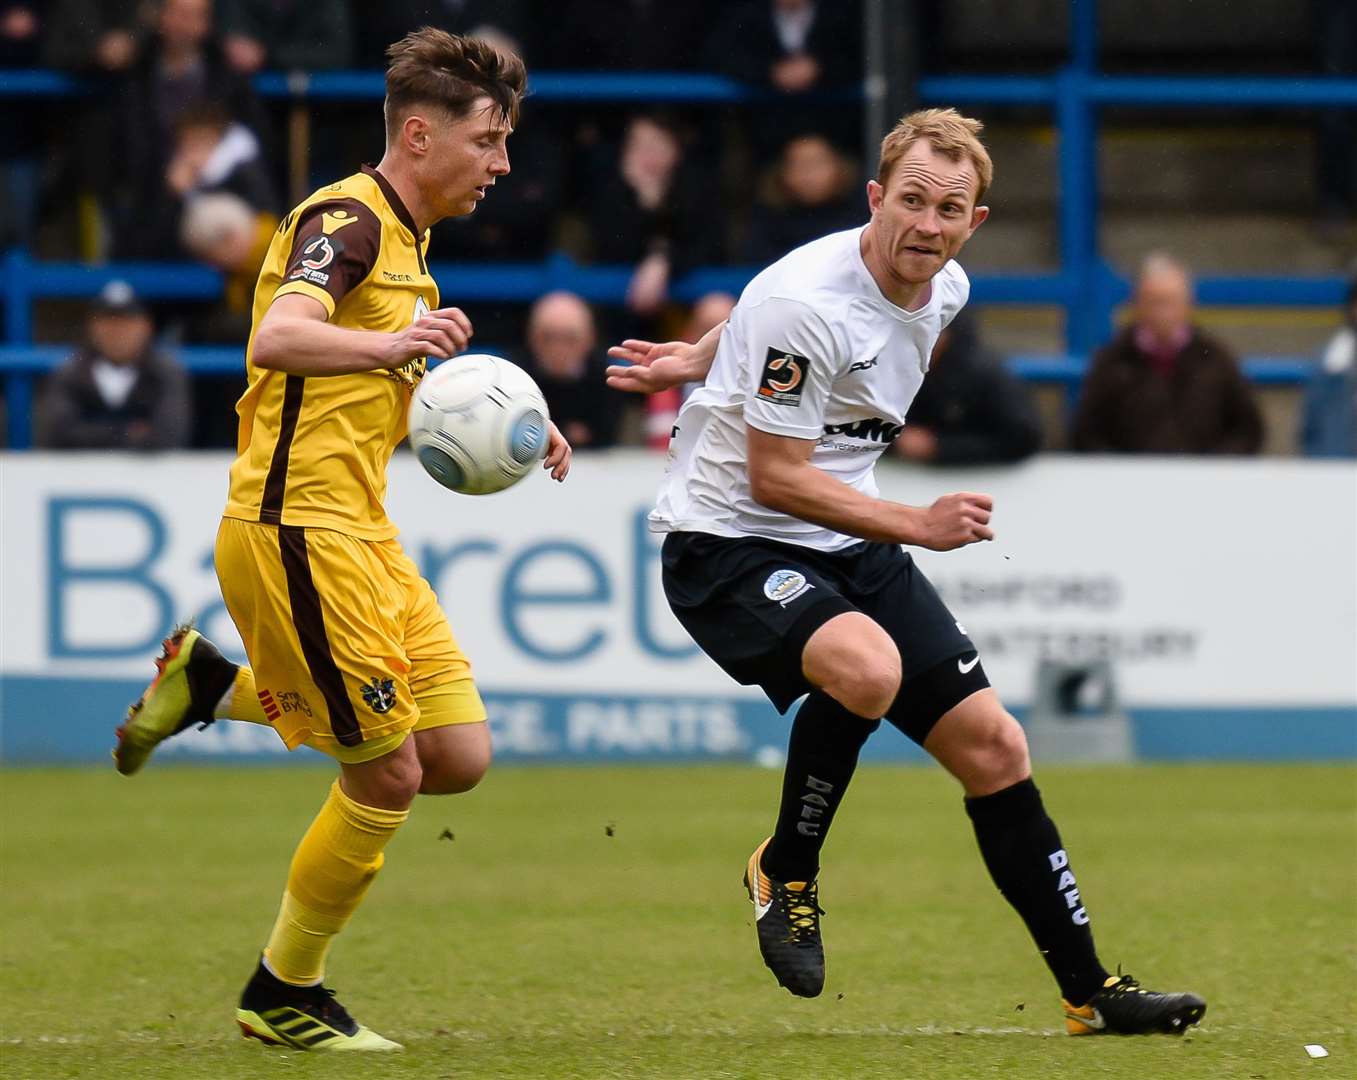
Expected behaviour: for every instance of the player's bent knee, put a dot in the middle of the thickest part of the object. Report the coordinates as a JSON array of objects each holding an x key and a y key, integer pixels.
[
  {"x": 389, "y": 782},
  {"x": 869, "y": 691},
  {"x": 854, "y": 661},
  {"x": 455, "y": 776},
  {"x": 1001, "y": 753}
]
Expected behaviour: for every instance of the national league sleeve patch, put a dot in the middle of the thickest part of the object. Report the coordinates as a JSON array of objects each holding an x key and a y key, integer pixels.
[{"x": 784, "y": 377}]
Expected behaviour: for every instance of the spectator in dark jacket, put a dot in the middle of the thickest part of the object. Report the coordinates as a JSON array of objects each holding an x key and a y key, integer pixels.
[
  {"x": 181, "y": 68},
  {"x": 94, "y": 35},
  {"x": 971, "y": 410},
  {"x": 377, "y": 23},
  {"x": 1162, "y": 386},
  {"x": 296, "y": 35},
  {"x": 563, "y": 358},
  {"x": 1330, "y": 420},
  {"x": 649, "y": 209},
  {"x": 118, "y": 392},
  {"x": 627, "y": 35},
  {"x": 799, "y": 49},
  {"x": 813, "y": 194},
  {"x": 21, "y": 32}
]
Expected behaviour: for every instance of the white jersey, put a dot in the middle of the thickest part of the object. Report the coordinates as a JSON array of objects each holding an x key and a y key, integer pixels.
[{"x": 813, "y": 350}]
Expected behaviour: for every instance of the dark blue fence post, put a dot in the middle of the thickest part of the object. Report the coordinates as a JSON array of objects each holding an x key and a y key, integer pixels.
[
  {"x": 18, "y": 299},
  {"x": 19, "y": 408},
  {"x": 1086, "y": 318}
]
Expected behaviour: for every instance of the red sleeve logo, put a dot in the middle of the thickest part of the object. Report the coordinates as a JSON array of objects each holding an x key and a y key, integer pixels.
[{"x": 784, "y": 377}]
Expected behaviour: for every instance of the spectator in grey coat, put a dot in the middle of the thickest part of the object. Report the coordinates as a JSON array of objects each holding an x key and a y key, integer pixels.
[{"x": 118, "y": 392}]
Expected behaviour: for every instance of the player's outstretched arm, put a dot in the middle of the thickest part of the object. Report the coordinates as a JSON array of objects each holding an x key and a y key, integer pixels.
[
  {"x": 782, "y": 478},
  {"x": 649, "y": 367},
  {"x": 295, "y": 336}
]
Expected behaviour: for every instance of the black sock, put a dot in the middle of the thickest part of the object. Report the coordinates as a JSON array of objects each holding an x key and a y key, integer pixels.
[
  {"x": 1028, "y": 863},
  {"x": 821, "y": 756}
]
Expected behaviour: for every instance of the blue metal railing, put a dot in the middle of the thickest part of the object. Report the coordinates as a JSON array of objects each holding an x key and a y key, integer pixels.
[{"x": 24, "y": 365}]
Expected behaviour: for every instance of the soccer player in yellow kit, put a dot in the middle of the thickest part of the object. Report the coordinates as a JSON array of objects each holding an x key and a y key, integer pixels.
[{"x": 348, "y": 650}]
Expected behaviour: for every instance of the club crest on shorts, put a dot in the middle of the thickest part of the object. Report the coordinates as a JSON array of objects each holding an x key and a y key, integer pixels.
[
  {"x": 784, "y": 586},
  {"x": 379, "y": 694},
  {"x": 784, "y": 377}
]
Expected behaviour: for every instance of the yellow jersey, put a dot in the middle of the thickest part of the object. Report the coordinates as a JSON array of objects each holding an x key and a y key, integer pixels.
[{"x": 312, "y": 451}]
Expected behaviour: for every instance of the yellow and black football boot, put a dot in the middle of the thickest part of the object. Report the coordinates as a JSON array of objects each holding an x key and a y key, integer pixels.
[
  {"x": 1124, "y": 1007},
  {"x": 302, "y": 1017},
  {"x": 191, "y": 677},
  {"x": 787, "y": 917}
]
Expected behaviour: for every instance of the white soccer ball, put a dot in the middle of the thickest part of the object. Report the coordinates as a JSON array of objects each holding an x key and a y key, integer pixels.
[{"x": 478, "y": 424}]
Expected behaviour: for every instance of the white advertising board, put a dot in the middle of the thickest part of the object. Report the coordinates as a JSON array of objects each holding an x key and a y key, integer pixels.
[{"x": 1206, "y": 582}]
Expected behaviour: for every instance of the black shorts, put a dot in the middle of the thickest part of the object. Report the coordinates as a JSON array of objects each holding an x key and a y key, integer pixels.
[{"x": 752, "y": 604}]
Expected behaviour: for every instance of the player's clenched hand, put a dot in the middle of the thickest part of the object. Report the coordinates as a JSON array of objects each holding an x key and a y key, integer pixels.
[
  {"x": 441, "y": 334},
  {"x": 650, "y": 367},
  {"x": 957, "y": 520},
  {"x": 558, "y": 453}
]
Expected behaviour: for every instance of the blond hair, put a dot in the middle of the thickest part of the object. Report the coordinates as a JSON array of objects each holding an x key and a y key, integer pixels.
[{"x": 949, "y": 133}]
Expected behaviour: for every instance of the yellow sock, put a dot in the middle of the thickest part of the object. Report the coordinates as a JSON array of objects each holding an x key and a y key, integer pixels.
[
  {"x": 241, "y": 702},
  {"x": 331, "y": 870}
]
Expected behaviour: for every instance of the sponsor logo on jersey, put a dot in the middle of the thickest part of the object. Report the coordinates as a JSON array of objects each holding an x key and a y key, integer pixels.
[
  {"x": 876, "y": 430},
  {"x": 285, "y": 701},
  {"x": 784, "y": 586},
  {"x": 318, "y": 253},
  {"x": 333, "y": 221},
  {"x": 379, "y": 694},
  {"x": 784, "y": 377},
  {"x": 863, "y": 365},
  {"x": 387, "y": 275}
]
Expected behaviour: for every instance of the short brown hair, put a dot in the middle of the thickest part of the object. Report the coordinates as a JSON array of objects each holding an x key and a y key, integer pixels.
[
  {"x": 949, "y": 133},
  {"x": 432, "y": 67}
]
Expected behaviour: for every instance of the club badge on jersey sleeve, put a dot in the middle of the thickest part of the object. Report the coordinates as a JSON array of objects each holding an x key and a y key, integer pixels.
[{"x": 784, "y": 377}]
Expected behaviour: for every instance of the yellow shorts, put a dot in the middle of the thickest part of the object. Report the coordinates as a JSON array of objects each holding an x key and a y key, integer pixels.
[{"x": 349, "y": 648}]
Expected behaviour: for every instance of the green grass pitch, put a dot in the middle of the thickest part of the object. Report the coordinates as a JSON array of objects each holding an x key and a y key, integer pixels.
[{"x": 532, "y": 943}]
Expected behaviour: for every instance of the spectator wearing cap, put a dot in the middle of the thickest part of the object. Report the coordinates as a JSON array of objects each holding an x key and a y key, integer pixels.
[
  {"x": 811, "y": 195},
  {"x": 1162, "y": 386},
  {"x": 117, "y": 392},
  {"x": 971, "y": 410},
  {"x": 1329, "y": 427},
  {"x": 562, "y": 356}
]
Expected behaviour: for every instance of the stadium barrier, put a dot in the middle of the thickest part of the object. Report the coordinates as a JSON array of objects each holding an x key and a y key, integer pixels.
[
  {"x": 1230, "y": 624},
  {"x": 23, "y": 281}
]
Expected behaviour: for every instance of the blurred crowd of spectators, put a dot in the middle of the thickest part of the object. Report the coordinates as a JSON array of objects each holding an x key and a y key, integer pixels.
[
  {"x": 1161, "y": 386},
  {"x": 177, "y": 158}
]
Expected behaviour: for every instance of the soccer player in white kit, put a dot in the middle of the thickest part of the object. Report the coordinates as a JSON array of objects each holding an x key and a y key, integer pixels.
[{"x": 786, "y": 567}]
